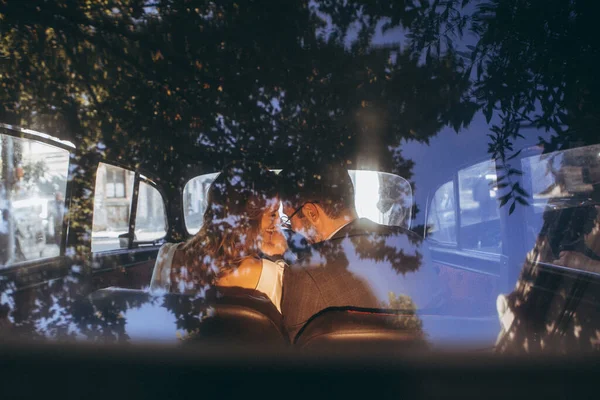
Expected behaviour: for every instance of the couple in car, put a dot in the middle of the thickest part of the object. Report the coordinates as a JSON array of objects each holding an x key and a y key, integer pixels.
[{"x": 318, "y": 255}]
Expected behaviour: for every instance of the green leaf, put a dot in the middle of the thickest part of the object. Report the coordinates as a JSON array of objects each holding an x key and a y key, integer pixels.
[{"x": 512, "y": 208}]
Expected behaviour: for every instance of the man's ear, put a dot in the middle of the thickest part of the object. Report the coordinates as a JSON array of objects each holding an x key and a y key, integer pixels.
[{"x": 311, "y": 212}]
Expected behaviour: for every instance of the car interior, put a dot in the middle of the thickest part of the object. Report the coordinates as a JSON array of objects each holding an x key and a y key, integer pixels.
[
  {"x": 453, "y": 252},
  {"x": 123, "y": 250}
]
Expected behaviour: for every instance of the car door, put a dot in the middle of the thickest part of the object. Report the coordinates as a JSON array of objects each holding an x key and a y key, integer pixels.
[
  {"x": 129, "y": 226},
  {"x": 465, "y": 235}
]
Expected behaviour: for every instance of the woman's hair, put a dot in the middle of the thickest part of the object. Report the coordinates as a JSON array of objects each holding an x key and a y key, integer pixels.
[{"x": 236, "y": 202}]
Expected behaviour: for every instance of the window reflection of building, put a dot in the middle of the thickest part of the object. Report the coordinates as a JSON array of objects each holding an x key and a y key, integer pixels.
[
  {"x": 115, "y": 182},
  {"x": 118, "y": 216},
  {"x": 112, "y": 208},
  {"x": 112, "y": 200},
  {"x": 150, "y": 214},
  {"x": 34, "y": 174}
]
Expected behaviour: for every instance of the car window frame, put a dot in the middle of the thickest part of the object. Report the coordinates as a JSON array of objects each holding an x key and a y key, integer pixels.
[
  {"x": 139, "y": 176},
  {"x": 430, "y": 199},
  {"x": 186, "y": 181},
  {"x": 459, "y": 245},
  {"x": 197, "y": 174},
  {"x": 134, "y": 244},
  {"x": 44, "y": 138}
]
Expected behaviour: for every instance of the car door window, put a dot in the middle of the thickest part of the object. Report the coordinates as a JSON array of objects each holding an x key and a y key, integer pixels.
[
  {"x": 479, "y": 211},
  {"x": 112, "y": 206},
  {"x": 32, "y": 199},
  {"x": 441, "y": 219},
  {"x": 150, "y": 217},
  {"x": 194, "y": 201}
]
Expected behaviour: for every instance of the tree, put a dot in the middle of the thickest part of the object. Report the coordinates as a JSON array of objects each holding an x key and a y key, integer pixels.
[{"x": 122, "y": 75}]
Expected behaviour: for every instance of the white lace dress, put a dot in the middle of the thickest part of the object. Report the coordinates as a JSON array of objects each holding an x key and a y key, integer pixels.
[{"x": 270, "y": 282}]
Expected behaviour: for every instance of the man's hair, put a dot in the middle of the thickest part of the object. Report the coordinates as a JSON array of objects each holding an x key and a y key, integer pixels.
[{"x": 327, "y": 184}]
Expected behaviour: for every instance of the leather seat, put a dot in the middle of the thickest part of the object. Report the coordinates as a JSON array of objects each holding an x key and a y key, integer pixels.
[
  {"x": 240, "y": 315},
  {"x": 351, "y": 327},
  {"x": 230, "y": 315}
]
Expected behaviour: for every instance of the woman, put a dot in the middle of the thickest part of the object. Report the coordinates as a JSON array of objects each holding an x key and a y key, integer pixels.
[{"x": 240, "y": 223}]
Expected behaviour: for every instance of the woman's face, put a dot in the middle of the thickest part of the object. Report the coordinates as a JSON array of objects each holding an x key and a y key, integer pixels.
[{"x": 272, "y": 240}]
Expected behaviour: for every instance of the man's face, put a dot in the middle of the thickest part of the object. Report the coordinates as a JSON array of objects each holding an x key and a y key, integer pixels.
[{"x": 301, "y": 224}]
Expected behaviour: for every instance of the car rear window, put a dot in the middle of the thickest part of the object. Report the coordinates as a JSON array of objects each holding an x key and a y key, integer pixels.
[{"x": 380, "y": 196}]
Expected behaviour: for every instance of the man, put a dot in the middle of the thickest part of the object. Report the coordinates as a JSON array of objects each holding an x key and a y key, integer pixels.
[{"x": 349, "y": 261}]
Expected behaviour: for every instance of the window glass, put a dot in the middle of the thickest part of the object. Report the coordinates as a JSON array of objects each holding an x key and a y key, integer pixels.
[
  {"x": 479, "y": 211},
  {"x": 477, "y": 189},
  {"x": 112, "y": 205},
  {"x": 382, "y": 197},
  {"x": 194, "y": 201},
  {"x": 441, "y": 218},
  {"x": 564, "y": 193},
  {"x": 150, "y": 217},
  {"x": 115, "y": 183},
  {"x": 568, "y": 174},
  {"x": 32, "y": 199}
]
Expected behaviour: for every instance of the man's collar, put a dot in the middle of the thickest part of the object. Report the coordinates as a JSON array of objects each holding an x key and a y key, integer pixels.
[{"x": 339, "y": 229}]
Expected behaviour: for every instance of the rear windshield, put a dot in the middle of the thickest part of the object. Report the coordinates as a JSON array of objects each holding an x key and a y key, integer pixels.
[{"x": 382, "y": 197}]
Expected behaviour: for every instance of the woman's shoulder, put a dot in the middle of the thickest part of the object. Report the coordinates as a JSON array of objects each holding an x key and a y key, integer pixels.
[
  {"x": 247, "y": 274},
  {"x": 250, "y": 264}
]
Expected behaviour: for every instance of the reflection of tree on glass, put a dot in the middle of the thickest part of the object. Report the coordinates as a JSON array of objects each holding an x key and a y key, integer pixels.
[
  {"x": 240, "y": 224},
  {"x": 548, "y": 310},
  {"x": 351, "y": 261},
  {"x": 409, "y": 321}
]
